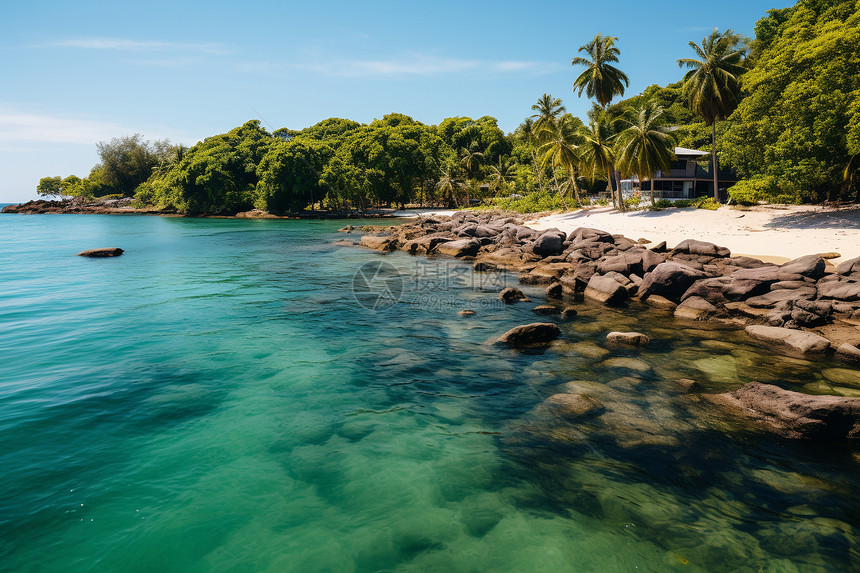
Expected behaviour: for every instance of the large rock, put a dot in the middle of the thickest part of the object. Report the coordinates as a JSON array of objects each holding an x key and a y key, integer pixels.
[
  {"x": 793, "y": 341},
  {"x": 755, "y": 281},
  {"x": 669, "y": 280},
  {"x": 849, "y": 267},
  {"x": 775, "y": 297},
  {"x": 848, "y": 352},
  {"x": 712, "y": 290},
  {"x": 534, "y": 333},
  {"x": 795, "y": 415},
  {"x": 843, "y": 288},
  {"x": 811, "y": 266},
  {"x": 695, "y": 308},
  {"x": 459, "y": 248},
  {"x": 606, "y": 290},
  {"x": 378, "y": 242},
  {"x": 550, "y": 243},
  {"x": 99, "y": 253},
  {"x": 694, "y": 247}
]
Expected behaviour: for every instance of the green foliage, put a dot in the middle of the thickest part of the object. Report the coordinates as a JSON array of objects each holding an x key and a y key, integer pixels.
[
  {"x": 765, "y": 189},
  {"x": 536, "y": 202},
  {"x": 600, "y": 79},
  {"x": 800, "y": 123},
  {"x": 126, "y": 162}
]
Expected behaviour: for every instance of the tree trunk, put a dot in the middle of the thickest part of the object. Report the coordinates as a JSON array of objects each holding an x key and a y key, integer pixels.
[
  {"x": 714, "y": 161},
  {"x": 537, "y": 171},
  {"x": 652, "y": 191},
  {"x": 621, "y": 205},
  {"x": 609, "y": 186},
  {"x": 560, "y": 192}
]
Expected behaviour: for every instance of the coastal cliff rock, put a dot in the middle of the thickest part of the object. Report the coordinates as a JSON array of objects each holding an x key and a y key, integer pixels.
[
  {"x": 792, "y": 414},
  {"x": 100, "y": 253}
]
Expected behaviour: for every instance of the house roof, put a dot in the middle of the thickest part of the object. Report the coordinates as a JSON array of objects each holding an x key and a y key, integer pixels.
[{"x": 679, "y": 151}]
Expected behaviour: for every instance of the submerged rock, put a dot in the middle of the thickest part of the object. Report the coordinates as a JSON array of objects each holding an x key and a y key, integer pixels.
[
  {"x": 99, "y": 253},
  {"x": 534, "y": 333},
  {"x": 792, "y": 414},
  {"x": 628, "y": 338}
]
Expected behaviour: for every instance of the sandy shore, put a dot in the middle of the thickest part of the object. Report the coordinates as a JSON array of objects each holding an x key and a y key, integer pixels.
[{"x": 771, "y": 233}]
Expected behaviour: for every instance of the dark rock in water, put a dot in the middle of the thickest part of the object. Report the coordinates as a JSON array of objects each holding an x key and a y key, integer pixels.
[
  {"x": 669, "y": 280},
  {"x": 809, "y": 266},
  {"x": 794, "y": 341},
  {"x": 606, "y": 290},
  {"x": 795, "y": 415},
  {"x": 568, "y": 313},
  {"x": 628, "y": 338},
  {"x": 688, "y": 384},
  {"x": 534, "y": 333},
  {"x": 573, "y": 406},
  {"x": 554, "y": 290},
  {"x": 694, "y": 247},
  {"x": 98, "y": 253},
  {"x": 483, "y": 267},
  {"x": 849, "y": 267},
  {"x": 466, "y": 313},
  {"x": 510, "y": 295},
  {"x": 546, "y": 309}
]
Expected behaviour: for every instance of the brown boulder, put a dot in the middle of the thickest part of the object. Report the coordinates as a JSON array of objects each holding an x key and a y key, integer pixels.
[
  {"x": 510, "y": 295},
  {"x": 605, "y": 290},
  {"x": 794, "y": 341},
  {"x": 669, "y": 280},
  {"x": 694, "y": 247},
  {"x": 628, "y": 338}
]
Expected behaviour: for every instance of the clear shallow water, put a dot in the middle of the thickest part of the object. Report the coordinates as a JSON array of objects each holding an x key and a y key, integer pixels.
[{"x": 217, "y": 400}]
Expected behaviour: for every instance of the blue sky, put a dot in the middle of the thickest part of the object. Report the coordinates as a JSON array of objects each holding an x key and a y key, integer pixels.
[{"x": 75, "y": 73}]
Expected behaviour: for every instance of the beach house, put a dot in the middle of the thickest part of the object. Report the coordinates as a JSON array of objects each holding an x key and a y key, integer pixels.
[{"x": 686, "y": 180}]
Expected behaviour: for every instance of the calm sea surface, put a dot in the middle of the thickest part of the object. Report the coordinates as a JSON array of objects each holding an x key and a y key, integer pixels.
[{"x": 218, "y": 399}]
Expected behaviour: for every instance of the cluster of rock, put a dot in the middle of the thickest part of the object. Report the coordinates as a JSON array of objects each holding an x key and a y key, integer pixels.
[
  {"x": 780, "y": 304},
  {"x": 77, "y": 207}
]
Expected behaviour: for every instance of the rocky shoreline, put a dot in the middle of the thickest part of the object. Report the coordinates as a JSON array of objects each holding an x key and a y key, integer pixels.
[
  {"x": 804, "y": 308},
  {"x": 124, "y": 207}
]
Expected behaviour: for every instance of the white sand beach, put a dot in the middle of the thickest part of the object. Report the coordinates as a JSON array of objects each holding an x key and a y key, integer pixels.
[{"x": 773, "y": 233}]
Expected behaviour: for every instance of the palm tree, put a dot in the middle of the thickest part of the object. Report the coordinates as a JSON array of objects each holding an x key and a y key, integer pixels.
[
  {"x": 645, "y": 147},
  {"x": 711, "y": 86},
  {"x": 449, "y": 184},
  {"x": 560, "y": 150},
  {"x": 529, "y": 131},
  {"x": 548, "y": 109},
  {"x": 500, "y": 175},
  {"x": 470, "y": 160},
  {"x": 600, "y": 79},
  {"x": 597, "y": 154}
]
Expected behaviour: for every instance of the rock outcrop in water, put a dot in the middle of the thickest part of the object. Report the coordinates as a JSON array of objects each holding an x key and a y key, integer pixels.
[
  {"x": 792, "y": 414},
  {"x": 101, "y": 253},
  {"x": 696, "y": 280}
]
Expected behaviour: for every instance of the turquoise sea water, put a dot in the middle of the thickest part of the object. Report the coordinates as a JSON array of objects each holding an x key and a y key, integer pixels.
[{"x": 217, "y": 399}]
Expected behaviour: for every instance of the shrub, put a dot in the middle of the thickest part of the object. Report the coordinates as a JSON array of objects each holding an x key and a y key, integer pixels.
[
  {"x": 765, "y": 189},
  {"x": 535, "y": 202}
]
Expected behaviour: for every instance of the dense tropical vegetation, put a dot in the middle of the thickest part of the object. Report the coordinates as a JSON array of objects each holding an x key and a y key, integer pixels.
[{"x": 782, "y": 110}]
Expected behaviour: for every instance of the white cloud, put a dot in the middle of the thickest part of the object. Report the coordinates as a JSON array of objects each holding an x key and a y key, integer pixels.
[
  {"x": 420, "y": 65},
  {"x": 18, "y": 127},
  {"x": 22, "y": 128},
  {"x": 125, "y": 45}
]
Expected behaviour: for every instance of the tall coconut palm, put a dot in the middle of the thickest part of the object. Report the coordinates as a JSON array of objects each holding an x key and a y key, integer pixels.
[
  {"x": 548, "y": 109},
  {"x": 559, "y": 149},
  {"x": 600, "y": 79},
  {"x": 597, "y": 154},
  {"x": 645, "y": 146},
  {"x": 449, "y": 185},
  {"x": 529, "y": 133},
  {"x": 711, "y": 86}
]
